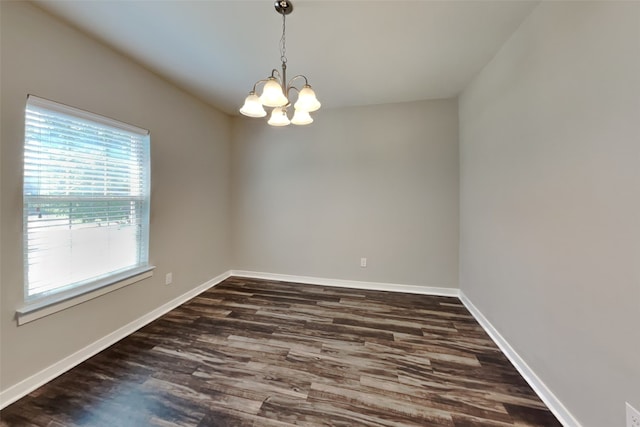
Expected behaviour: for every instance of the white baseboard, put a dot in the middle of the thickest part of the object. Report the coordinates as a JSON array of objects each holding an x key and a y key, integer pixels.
[
  {"x": 553, "y": 403},
  {"x": 374, "y": 286},
  {"x": 26, "y": 386}
]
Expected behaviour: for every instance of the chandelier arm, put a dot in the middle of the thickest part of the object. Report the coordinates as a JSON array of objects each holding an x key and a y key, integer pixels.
[
  {"x": 299, "y": 76},
  {"x": 255, "y": 85},
  {"x": 289, "y": 89},
  {"x": 276, "y": 74}
]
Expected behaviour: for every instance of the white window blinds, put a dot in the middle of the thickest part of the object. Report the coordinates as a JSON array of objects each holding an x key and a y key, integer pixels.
[{"x": 86, "y": 197}]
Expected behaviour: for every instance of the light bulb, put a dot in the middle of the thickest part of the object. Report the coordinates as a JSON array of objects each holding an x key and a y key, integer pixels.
[
  {"x": 252, "y": 106},
  {"x": 279, "y": 117},
  {"x": 272, "y": 95},
  {"x": 301, "y": 117},
  {"x": 307, "y": 100}
]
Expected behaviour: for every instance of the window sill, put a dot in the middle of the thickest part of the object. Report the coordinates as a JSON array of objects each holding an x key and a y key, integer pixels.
[{"x": 46, "y": 306}]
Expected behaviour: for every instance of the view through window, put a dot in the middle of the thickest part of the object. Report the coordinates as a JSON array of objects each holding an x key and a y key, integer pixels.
[{"x": 86, "y": 198}]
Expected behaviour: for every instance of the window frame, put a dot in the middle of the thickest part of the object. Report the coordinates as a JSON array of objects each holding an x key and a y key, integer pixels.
[{"x": 64, "y": 296}]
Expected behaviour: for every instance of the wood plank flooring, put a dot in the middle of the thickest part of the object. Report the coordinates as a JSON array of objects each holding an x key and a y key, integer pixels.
[{"x": 263, "y": 353}]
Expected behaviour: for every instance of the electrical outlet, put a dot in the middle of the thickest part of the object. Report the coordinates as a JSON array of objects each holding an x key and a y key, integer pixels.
[
  {"x": 633, "y": 416},
  {"x": 363, "y": 262},
  {"x": 168, "y": 278}
]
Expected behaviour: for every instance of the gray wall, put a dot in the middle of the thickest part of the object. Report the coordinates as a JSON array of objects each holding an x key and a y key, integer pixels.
[
  {"x": 550, "y": 201},
  {"x": 379, "y": 182},
  {"x": 189, "y": 196}
]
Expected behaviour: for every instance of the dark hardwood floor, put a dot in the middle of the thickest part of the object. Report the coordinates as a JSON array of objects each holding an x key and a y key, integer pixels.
[{"x": 261, "y": 353}]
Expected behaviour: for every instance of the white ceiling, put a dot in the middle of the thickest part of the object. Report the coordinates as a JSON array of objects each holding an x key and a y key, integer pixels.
[{"x": 353, "y": 52}]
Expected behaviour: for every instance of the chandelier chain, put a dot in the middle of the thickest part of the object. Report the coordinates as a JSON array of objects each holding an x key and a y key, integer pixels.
[{"x": 283, "y": 40}]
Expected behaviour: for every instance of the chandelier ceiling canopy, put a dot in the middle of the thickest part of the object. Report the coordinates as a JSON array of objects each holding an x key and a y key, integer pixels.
[{"x": 277, "y": 91}]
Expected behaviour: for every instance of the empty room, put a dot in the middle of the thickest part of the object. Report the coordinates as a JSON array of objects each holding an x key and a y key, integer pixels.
[{"x": 320, "y": 213}]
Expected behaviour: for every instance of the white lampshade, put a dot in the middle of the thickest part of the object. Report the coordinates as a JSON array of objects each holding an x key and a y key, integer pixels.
[
  {"x": 301, "y": 117},
  {"x": 279, "y": 117},
  {"x": 252, "y": 106},
  {"x": 272, "y": 95},
  {"x": 307, "y": 100}
]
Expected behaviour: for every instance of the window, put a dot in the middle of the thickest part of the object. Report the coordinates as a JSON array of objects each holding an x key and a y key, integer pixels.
[{"x": 86, "y": 200}]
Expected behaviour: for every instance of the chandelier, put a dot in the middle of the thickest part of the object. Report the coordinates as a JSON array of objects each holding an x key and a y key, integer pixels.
[{"x": 277, "y": 92}]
